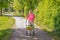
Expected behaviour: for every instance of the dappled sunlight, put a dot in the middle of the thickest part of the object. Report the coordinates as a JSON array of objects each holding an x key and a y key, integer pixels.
[
  {"x": 47, "y": 16},
  {"x": 24, "y": 39},
  {"x": 35, "y": 38},
  {"x": 20, "y": 33}
]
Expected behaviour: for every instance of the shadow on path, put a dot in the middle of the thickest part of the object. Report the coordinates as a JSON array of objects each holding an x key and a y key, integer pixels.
[{"x": 20, "y": 34}]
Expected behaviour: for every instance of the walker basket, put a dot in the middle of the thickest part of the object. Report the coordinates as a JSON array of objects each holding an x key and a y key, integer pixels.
[{"x": 29, "y": 27}]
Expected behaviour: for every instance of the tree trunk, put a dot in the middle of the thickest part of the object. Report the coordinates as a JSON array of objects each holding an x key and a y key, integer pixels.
[{"x": 1, "y": 12}]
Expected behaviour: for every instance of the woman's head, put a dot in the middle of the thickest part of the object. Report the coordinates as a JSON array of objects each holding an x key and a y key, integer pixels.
[{"x": 30, "y": 11}]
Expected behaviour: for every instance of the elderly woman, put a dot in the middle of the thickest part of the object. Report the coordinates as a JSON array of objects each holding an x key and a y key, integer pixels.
[{"x": 30, "y": 20}]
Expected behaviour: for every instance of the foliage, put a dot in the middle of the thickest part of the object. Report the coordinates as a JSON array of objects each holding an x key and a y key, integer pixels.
[
  {"x": 24, "y": 5},
  {"x": 47, "y": 15},
  {"x": 3, "y": 4}
]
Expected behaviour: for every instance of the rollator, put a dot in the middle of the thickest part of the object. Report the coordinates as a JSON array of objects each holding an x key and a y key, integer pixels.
[{"x": 29, "y": 28}]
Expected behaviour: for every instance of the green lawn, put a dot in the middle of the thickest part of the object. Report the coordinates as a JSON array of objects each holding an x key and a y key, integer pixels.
[{"x": 5, "y": 27}]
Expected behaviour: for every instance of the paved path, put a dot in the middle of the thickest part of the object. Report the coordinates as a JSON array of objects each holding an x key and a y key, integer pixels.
[{"x": 19, "y": 32}]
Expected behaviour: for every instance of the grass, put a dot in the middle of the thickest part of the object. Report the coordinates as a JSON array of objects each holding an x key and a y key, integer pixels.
[
  {"x": 5, "y": 27},
  {"x": 43, "y": 26}
]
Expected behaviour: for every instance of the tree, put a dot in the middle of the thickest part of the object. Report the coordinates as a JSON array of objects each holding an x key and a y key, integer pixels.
[
  {"x": 3, "y": 4},
  {"x": 17, "y": 5}
]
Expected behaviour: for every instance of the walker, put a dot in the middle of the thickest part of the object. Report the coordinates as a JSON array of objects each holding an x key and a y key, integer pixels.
[{"x": 29, "y": 28}]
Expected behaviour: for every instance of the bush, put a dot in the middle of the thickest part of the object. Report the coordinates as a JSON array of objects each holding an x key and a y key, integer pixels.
[{"x": 47, "y": 15}]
